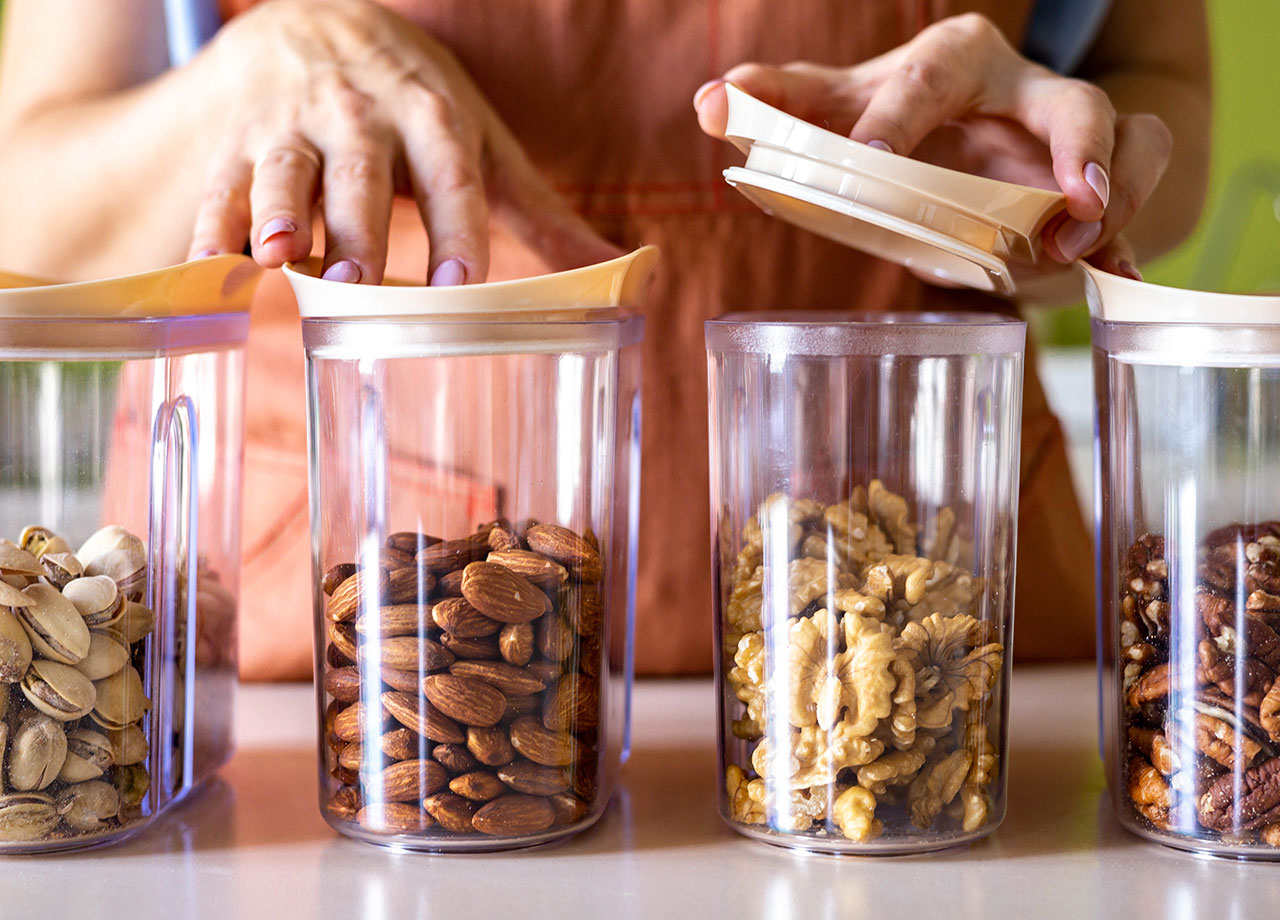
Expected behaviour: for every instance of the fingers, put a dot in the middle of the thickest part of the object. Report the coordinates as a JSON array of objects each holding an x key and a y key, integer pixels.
[
  {"x": 824, "y": 95},
  {"x": 1116, "y": 256},
  {"x": 1143, "y": 146},
  {"x": 443, "y": 162},
  {"x": 281, "y": 198},
  {"x": 222, "y": 217}
]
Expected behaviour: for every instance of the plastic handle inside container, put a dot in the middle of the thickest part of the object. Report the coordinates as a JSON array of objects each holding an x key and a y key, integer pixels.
[{"x": 616, "y": 283}]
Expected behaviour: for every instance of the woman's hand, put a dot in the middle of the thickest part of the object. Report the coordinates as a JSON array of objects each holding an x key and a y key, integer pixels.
[
  {"x": 338, "y": 106},
  {"x": 959, "y": 95}
]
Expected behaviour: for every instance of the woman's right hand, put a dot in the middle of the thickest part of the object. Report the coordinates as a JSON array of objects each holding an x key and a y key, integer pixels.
[{"x": 340, "y": 104}]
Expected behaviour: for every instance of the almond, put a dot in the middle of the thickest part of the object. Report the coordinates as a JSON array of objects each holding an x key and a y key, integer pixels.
[
  {"x": 566, "y": 548},
  {"x": 345, "y": 803},
  {"x": 337, "y": 575},
  {"x": 406, "y": 541},
  {"x": 455, "y": 615},
  {"x": 521, "y": 706},
  {"x": 334, "y": 658},
  {"x": 426, "y": 721},
  {"x": 590, "y": 653},
  {"x": 343, "y": 684},
  {"x": 395, "y": 620},
  {"x": 490, "y": 746},
  {"x": 450, "y": 585},
  {"x": 534, "y": 779},
  {"x": 391, "y": 558},
  {"x": 568, "y": 808},
  {"x": 572, "y": 705},
  {"x": 506, "y": 677},
  {"x": 330, "y": 725},
  {"x": 402, "y": 744},
  {"x": 503, "y": 538},
  {"x": 351, "y": 757},
  {"x": 394, "y": 818},
  {"x": 584, "y": 608},
  {"x": 484, "y": 647},
  {"x": 541, "y": 745},
  {"x": 348, "y": 596},
  {"x": 404, "y": 681},
  {"x": 470, "y": 701},
  {"x": 452, "y": 812},
  {"x": 352, "y": 722},
  {"x": 409, "y": 584},
  {"x": 555, "y": 637},
  {"x": 343, "y": 637},
  {"x": 454, "y": 757},
  {"x": 344, "y": 776},
  {"x": 408, "y": 780},
  {"x": 501, "y": 594},
  {"x": 584, "y": 778},
  {"x": 442, "y": 558},
  {"x": 515, "y": 643},
  {"x": 512, "y": 815},
  {"x": 545, "y": 573},
  {"x": 478, "y": 786},
  {"x": 409, "y": 653}
]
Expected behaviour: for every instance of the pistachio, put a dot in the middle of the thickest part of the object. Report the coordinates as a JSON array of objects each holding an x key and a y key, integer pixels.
[
  {"x": 4, "y": 741},
  {"x": 115, "y": 552},
  {"x": 107, "y": 655},
  {"x": 136, "y": 623},
  {"x": 88, "y": 806},
  {"x": 55, "y": 627},
  {"x": 15, "y": 649},
  {"x": 97, "y": 598},
  {"x": 132, "y": 782},
  {"x": 128, "y": 745},
  {"x": 36, "y": 755},
  {"x": 88, "y": 756},
  {"x": 11, "y": 596},
  {"x": 14, "y": 560},
  {"x": 60, "y": 569},
  {"x": 26, "y": 816},
  {"x": 120, "y": 699},
  {"x": 58, "y": 690},
  {"x": 35, "y": 538},
  {"x": 112, "y": 538}
]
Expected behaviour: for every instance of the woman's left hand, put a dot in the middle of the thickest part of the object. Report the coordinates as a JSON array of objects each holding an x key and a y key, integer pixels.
[{"x": 961, "y": 96}]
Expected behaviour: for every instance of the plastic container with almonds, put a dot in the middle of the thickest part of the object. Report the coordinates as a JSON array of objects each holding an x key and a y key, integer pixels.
[
  {"x": 474, "y": 476},
  {"x": 121, "y": 407},
  {"x": 1189, "y": 561},
  {"x": 864, "y": 475}
]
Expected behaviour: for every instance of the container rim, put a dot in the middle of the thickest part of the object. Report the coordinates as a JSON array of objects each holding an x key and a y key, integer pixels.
[
  {"x": 854, "y": 333},
  {"x": 121, "y": 338}
]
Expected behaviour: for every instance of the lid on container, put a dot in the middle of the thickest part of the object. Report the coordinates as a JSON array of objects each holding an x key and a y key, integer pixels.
[
  {"x": 216, "y": 285},
  {"x": 1114, "y": 298},
  {"x": 839, "y": 334},
  {"x": 952, "y": 225},
  {"x": 578, "y": 292}
]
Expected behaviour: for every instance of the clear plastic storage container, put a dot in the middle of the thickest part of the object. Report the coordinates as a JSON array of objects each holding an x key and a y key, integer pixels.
[
  {"x": 1189, "y": 562},
  {"x": 120, "y": 456},
  {"x": 864, "y": 482},
  {"x": 474, "y": 480}
]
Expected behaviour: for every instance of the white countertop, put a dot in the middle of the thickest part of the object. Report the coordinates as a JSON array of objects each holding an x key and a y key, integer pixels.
[{"x": 254, "y": 846}]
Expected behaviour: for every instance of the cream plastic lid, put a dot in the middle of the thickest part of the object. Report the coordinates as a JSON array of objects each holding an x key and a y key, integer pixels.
[
  {"x": 1114, "y": 298},
  {"x": 216, "y": 285},
  {"x": 955, "y": 226},
  {"x": 616, "y": 283}
]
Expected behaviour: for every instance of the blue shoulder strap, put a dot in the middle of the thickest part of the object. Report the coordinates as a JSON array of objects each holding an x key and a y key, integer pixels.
[
  {"x": 1061, "y": 32},
  {"x": 189, "y": 24}
]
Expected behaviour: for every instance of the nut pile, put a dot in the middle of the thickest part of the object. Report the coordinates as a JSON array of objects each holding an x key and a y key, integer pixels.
[
  {"x": 1203, "y": 755},
  {"x": 73, "y": 732},
  {"x": 869, "y": 661},
  {"x": 463, "y": 678}
]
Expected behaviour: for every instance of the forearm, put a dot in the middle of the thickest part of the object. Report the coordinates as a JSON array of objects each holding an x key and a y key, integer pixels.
[{"x": 105, "y": 185}]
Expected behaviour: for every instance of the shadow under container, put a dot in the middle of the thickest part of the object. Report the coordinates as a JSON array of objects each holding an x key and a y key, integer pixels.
[
  {"x": 864, "y": 484},
  {"x": 1188, "y": 454},
  {"x": 121, "y": 408},
  {"x": 474, "y": 486}
]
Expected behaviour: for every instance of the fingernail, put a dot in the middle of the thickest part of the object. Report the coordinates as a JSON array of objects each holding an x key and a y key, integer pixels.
[
  {"x": 880, "y": 145},
  {"x": 1096, "y": 176},
  {"x": 204, "y": 254},
  {"x": 1074, "y": 238},
  {"x": 1129, "y": 270},
  {"x": 704, "y": 89},
  {"x": 449, "y": 272},
  {"x": 345, "y": 271},
  {"x": 274, "y": 227}
]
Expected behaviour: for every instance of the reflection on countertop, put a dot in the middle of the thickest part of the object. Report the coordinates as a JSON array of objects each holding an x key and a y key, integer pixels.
[{"x": 252, "y": 843}]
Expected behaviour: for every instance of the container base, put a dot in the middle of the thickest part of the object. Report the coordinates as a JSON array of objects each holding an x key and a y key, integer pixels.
[
  {"x": 458, "y": 843},
  {"x": 1206, "y": 847},
  {"x": 834, "y": 846}
]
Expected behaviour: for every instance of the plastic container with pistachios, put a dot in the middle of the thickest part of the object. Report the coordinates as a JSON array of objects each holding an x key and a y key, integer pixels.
[
  {"x": 474, "y": 473},
  {"x": 864, "y": 474},
  {"x": 120, "y": 413},
  {"x": 1188, "y": 439}
]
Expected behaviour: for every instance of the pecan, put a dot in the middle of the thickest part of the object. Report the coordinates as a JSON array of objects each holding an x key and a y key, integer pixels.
[
  {"x": 1149, "y": 792},
  {"x": 1269, "y": 711},
  {"x": 1219, "y": 668},
  {"x": 1257, "y": 804}
]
